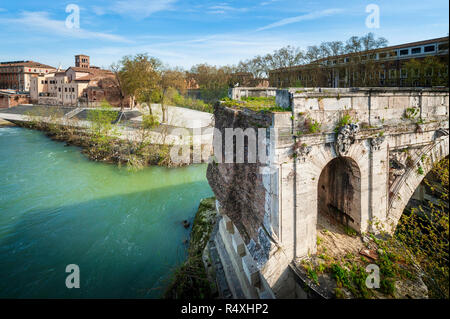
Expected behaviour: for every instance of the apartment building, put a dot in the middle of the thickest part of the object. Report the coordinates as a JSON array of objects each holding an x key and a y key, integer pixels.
[
  {"x": 80, "y": 85},
  {"x": 17, "y": 75},
  {"x": 379, "y": 67}
]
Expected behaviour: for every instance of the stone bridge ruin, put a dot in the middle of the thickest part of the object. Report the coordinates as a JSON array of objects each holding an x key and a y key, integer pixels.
[{"x": 355, "y": 154}]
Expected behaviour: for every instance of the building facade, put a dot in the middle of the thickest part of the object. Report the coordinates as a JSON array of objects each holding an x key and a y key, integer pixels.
[
  {"x": 17, "y": 75},
  {"x": 81, "y": 85},
  {"x": 389, "y": 66}
]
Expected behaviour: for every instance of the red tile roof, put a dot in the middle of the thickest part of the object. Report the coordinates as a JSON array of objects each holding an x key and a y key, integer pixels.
[{"x": 30, "y": 64}]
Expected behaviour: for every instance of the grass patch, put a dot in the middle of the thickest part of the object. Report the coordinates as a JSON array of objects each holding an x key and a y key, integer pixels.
[
  {"x": 344, "y": 120},
  {"x": 258, "y": 104}
]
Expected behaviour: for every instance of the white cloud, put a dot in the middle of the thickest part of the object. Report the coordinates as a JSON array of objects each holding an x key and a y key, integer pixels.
[
  {"x": 140, "y": 9},
  {"x": 41, "y": 21},
  {"x": 265, "y": 3},
  {"x": 305, "y": 17},
  {"x": 98, "y": 10},
  {"x": 225, "y": 8}
]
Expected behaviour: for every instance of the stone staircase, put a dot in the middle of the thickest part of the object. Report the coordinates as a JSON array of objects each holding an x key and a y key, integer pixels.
[
  {"x": 73, "y": 112},
  {"x": 227, "y": 269}
]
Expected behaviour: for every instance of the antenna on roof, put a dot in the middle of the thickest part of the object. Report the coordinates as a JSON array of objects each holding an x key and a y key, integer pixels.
[{"x": 59, "y": 67}]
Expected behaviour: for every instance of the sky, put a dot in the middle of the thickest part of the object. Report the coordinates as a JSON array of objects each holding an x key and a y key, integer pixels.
[{"x": 187, "y": 32}]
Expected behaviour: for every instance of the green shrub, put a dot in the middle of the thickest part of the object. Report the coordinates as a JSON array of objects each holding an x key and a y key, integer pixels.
[
  {"x": 102, "y": 130},
  {"x": 345, "y": 119},
  {"x": 411, "y": 112}
]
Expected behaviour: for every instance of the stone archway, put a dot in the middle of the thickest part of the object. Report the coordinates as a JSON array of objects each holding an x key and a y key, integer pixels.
[
  {"x": 402, "y": 191},
  {"x": 339, "y": 192}
]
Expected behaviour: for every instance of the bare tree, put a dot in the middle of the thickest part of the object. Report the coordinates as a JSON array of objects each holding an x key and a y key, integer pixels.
[
  {"x": 313, "y": 53},
  {"x": 116, "y": 68},
  {"x": 353, "y": 45},
  {"x": 334, "y": 48},
  {"x": 369, "y": 42},
  {"x": 170, "y": 79}
]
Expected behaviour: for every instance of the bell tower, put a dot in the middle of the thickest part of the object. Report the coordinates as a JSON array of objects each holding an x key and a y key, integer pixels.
[{"x": 82, "y": 61}]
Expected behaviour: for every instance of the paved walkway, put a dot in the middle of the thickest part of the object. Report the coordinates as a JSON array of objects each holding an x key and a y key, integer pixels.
[{"x": 128, "y": 129}]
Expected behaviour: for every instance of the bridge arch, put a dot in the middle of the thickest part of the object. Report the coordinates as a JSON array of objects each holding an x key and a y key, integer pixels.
[
  {"x": 402, "y": 190},
  {"x": 339, "y": 192}
]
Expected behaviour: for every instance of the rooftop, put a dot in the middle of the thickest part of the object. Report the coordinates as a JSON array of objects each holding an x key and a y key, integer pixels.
[{"x": 31, "y": 64}]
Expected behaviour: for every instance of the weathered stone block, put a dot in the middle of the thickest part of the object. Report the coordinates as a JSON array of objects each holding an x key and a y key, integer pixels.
[
  {"x": 238, "y": 245},
  {"x": 251, "y": 271}
]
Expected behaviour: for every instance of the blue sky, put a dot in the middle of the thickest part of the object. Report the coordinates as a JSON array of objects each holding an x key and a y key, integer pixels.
[{"x": 186, "y": 32}]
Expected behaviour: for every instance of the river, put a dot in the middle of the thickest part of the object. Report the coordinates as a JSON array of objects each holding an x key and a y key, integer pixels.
[{"x": 123, "y": 229}]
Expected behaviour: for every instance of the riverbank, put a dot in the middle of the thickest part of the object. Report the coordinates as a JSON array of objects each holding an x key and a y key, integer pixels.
[
  {"x": 5, "y": 123},
  {"x": 190, "y": 280},
  {"x": 111, "y": 136},
  {"x": 112, "y": 150}
]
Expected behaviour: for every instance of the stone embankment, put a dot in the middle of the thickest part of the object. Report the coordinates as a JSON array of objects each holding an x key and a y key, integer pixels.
[
  {"x": 192, "y": 279},
  {"x": 5, "y": 123}
]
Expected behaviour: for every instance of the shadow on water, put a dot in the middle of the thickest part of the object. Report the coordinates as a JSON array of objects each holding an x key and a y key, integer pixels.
[{"x": 122, "y": 251}]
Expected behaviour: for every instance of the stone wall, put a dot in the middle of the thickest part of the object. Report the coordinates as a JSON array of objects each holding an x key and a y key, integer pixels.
[
  {"x": 239, "y": 187},
  {"x": 237, "y": 93},
  {"x": 10, "y": 100},
  {"x": 183, "y": 117},
  {"x": 371, "y": 107},
  {"x": 247, "y": 193}
]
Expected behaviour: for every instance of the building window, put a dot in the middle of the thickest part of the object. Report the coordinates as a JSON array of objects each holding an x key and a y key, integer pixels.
[
  {"x": 443, "y": 46},
  {"x": 429, "y": 48},
  {"x": 416, "y": 50},
  {"x": 404, "y": 52}
]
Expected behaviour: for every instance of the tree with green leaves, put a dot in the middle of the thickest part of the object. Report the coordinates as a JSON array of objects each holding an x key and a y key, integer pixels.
[
  {"x": 424, "y": 230},
  {"x": 138, "y": 76},
  {"x": 212, "y": 81},
  {"x": 102, "y": 131}
]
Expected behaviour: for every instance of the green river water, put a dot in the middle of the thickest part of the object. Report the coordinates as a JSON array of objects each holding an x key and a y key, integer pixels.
[{"x": 123, "y": 229}]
